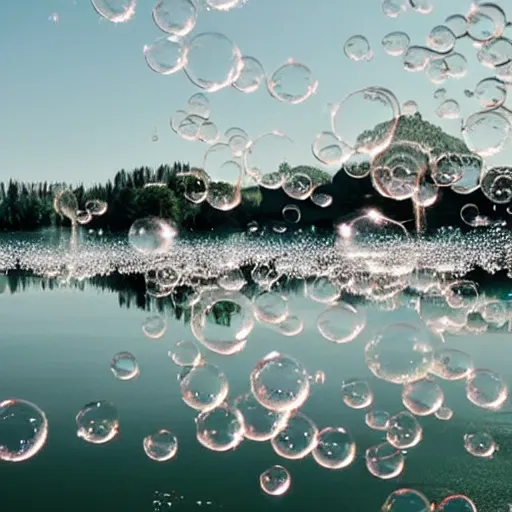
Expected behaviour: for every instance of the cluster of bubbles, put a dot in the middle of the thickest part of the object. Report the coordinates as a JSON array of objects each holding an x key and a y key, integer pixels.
[{"x": 66, "y": 204}]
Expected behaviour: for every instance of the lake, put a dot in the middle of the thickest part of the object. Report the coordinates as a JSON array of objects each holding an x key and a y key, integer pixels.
[{"x": 70, "y": 304}]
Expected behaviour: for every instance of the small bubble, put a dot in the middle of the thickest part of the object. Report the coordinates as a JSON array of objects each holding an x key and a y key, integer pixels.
[
  {"x": 275, "y": 481},
  {"x": 98, "y": 422},
  {"x": 358, "y": 48},
  {"x": 161, "y": 445},
  {"x": 124, "y": 366}
]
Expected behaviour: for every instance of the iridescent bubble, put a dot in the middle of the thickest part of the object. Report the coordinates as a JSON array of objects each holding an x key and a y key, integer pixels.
[
  {"x": 384, "y": 461},
  {"x": 275, "y": 481},
  {"x": 98, "y": 422},
  {"x": 270, "y": 307},
  {"x": 298, "y": 439},
  {"x": 486, "y": 21},
  {"x": 458, "y": 24},
  {"x": 377, "y": 419},
  {"x": 335, "y": 448},
  {"x": 449, "y": 109},
  {"x": 496, "y": 53},
  {"x": 23, "y": 430},
  {"x": 124, "y": 366},
  {"x": 406, "y": 499},
  {"x": 491, "y": 93},
  {"x": 213, "y": 61},
  {"x": 451, "y": 364},
  {"x": 165, "y": 55},
  {"x": 152, "y": 235},
  {"x": 279, "y": 382},
  {"x": 116, "y": 11},
  {"x": 486, "y": 389},
  {"x": 480, "y": 444},
  {"x": 185, "y": 353},
  {"x": 444, "y": 414},
  {"x": 292, "y": 83},
  {"x": 423, "y": 397},
  {"x": 456, "y": 503},
  {"x": 298, "y": 186},
  {"x": 396, "y": 43},
  {"x": 251, "y": 76},
  {"x": 441, "y": 39},
  {"x": 486, "y": 133},
  {"x": 341, "y": 323},
  {"x": 203, "y": 387},
  {"x": 261, "y": 424},
  {"x": 404, "y": 431},
  {"x": 356, "y": 393},
  {"x": 154, "y": 327},
  {"x": 358, "y": 48},
  {"x": 176, "y": 17},
  {"x": 266, "y": 159},
  {"x": 220, "y": 429},
  {"x": 291, "y": 213},
  {"x": 161, "y": 445},
  {"x": 496, "y": 184},
  {"x": 409, "y": 108},
  {"x": 400, "y": 353},
  {"x": 353, "y": 120}
]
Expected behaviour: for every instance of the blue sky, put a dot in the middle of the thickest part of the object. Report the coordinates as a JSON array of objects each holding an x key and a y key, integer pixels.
[{"x": 78, "y": 101}]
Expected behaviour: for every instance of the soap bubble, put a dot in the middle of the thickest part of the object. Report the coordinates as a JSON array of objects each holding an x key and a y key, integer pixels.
[
  {"x": 486, "y": 389},
  {"x": 458, "y": 24},
  {"x": 423, "y": 397},
  {"x": 124, "y": 366},
  {"x": 441, "y": 39},
  {"x": 292, "y": 83},
  {"x": 275, "y": 481},
  {"x": 161, "y": 445},
  {"x": 449, "y": 109},
  {"x": 444, "y": 414},
  {"x": 404, "y": 431},
  {"x": 491, "y": 93},
  {"x": 23, "y": 430},
  {"x": 66, "y": 204},
  {"x": 384, "y": 461},
  {"x": 291, "y": 213},
  {"x": 98, "y": 422},
  {"x": 480, "y": 444},
  {"x": 377, "y": 419},
  {"x": 396, "y": 43},
  {"x": 358, "y": 48},
  {"x": 251, "y": 76},
  {"x": 151, "y": 235},
  {"x": 485, "y": 22},
  {"x": 270, "y": 307},
  {"x": 154, "y": 327},
  {"x": 486, "y": 133},
  {"x": 496, "y": 184},
  {"x": 116, "y": 11},
  {"x": 335, "y": 448},
  {"x": 185, "y": 353},
  {"x": 406, "y": 499},
  {"x": 279, "y": 382},
  {"x": 452, "y": 364},
  {"x": 456, "y": 503},
  {"x": 298, "y": 439},
  {"x": 341, "y": 323},
  {"x": 176, "y": 17},
  {"x": 356, "y": 393}
]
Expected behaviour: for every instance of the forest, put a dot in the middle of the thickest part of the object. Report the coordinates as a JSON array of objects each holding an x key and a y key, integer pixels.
[{"x": 160, "y": 192}]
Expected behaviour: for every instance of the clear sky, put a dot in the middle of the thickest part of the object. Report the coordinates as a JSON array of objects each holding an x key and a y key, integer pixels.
[{"x": 78, "y": 101}]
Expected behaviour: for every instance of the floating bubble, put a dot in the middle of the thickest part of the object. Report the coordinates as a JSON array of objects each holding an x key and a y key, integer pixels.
[
  {"x": 423, "y": 397},
  {"x": 440, "y": 94},
  {"x": 496, "y": 184},
  {"x": 190, "y": 128},
  {"x": 452, "y": 364},
  {"x": 470, "y": 180},
  {"x": 154, "y": 327},
  {"x": 393, "y": 8},
  {"x": 267, "y": 158},
  {"x": 441, "y": 39},
  {"x": 396, "y": 43},
  {"x": 444, "y": 414},
  {"x": 491, "y": 93},
  {"x": 356, "y": 393},
  {"x": 298, "y": 186},
  {"x": 291, "y": 213},
  {"x": 416, "y": 58},
  {"x": 486, "y": 389},
  {"x": 252, "y": 75},
  {"x": 176, "y": 17},
  {"x": 237, "y": 140},
  {"x": 437, "y": 71},
  {"x": 161, "y": 445},
  {"x": 358, "y": 165},
  {"x": 323, "y": 290},
  {"x": 384, "y": 461},
  {"x": 409, "y": 108},
  {"x": 220, "y": 429},
  {"x": 298, "y": 439},
  {"x": 23, "y": 430},
  {"x": 377, "y": 419},
  {"x": 199, "y": 105},
  {"x": 447, "y": 169},
  {"x": 270, "y": 307},
  {"x": 359, "y": 112},
  {"x": 461, "y": 294},
  {"x": 66, "y": 204},
  {"x": 213, "y": 61},
  {"x": 83, "y": 217},
  {"x": 185, "y": 353},
  {"x": 456, "y": 65},
  {"x": 292, "y": 83},
  {"x": 449, "y": 109},
  {"x": 116, "y": 11},
  {"x": 485, "y": 22},
  {"x": 275, "y": 481},
  {"x": 222, "y": 321},
  {"x": 407, "y": 499},
  {"x": 400, "y": 353},
  {"x": 195, "y": 185},
  {"x": 358, "y": 48},
  {"x": 321, "y": 199},
  {"x": 480, "y": 444},
  {"x": 404, "y": 431},
  {"x": 486, "y": 133},
  {"x": 232, "y": 280},
  {"x": 341, "y": 323},
  {"x": 495, "y": 53},
  {"x": 124, "y": 366},
  {"x": 456, "y": 503},
  {"x": 208, "y": 133},
  {"x": 290, "y": 326},
  {"x": 261, "y": 424},
  {"x": 279, "y": 382},
  {"x": 177, "y": 118},
  {"x": 98, "y": 422},
  {"x": 165, "y": 56},
  {"x": 151, "y": 235},
  {"x": 329, "y": 150},
  {"x": 458, "y": 24},
  {"x": 96, "y": 207},
  {"x": 203, "y": 387},
  {"x": 335, "y": 448}
]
